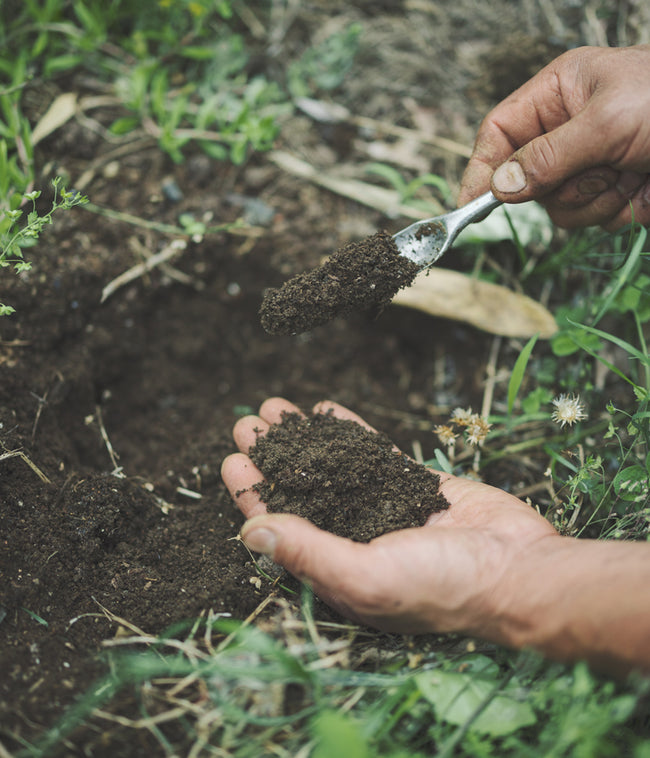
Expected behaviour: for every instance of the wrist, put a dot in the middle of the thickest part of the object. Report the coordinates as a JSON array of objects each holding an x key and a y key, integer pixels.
[
  {"x": 530, "y": 611},
  {"x": 578, "y": 599}
]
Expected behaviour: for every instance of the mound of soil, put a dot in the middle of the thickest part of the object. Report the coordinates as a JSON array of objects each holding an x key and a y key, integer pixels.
[
  {"x": 360, "y": 276},
  {"x": 343, "y": 477}
]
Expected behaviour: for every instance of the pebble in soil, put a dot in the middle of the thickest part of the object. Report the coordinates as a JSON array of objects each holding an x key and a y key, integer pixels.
[
  {"x": 344, "y": 478},
  {"x": 360, "y": 276}
]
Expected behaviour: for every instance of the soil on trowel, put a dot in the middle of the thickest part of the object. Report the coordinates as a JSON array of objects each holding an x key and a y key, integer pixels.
[
  {"x": 360, "y": 276},
  {"x": 342, "y": 477}
]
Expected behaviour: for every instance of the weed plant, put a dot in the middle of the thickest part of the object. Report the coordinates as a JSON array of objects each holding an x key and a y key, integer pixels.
[
  {"x": 178, "y": 71},
  {"x": 599, "y": 461},
  {"x": 326, "y": 689}
]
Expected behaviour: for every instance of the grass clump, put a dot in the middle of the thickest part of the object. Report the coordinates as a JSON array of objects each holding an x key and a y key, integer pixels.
[{"x": 306, "y": 688}]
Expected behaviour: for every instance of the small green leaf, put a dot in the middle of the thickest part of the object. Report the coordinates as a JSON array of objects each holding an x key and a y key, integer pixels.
[
  {"x": 59, "y": 63},
  {"x": 443, "y": 463},
  {"x": 123, "y": 125},
  {"x": 535, "y": 399},
  {"x": 632, "y": 483},
  {"x": 243, "y": 410}
]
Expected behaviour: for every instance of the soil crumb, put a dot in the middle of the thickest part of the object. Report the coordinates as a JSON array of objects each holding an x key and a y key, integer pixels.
[
  {"x": 357, "y": 277},
  {"x": 343, "y": 477}
]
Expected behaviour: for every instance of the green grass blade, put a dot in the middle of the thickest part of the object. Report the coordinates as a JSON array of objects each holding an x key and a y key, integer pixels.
[
  {"x": 518, "y": 371},
  {"x": 643, "y": 358},
  {"x": 625, "y": 273}
]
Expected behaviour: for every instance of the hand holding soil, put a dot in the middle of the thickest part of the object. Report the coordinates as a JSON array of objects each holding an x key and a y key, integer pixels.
[
  {"x": 583, "y": 137},
  {"x": 443, "y": 576},
  {"x": 489, "y": 566}
]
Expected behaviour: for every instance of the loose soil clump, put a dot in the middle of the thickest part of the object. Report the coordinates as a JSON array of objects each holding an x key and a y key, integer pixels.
[
  {"x": 342, "y": 477},
  {"x": 358, "y": 277}
]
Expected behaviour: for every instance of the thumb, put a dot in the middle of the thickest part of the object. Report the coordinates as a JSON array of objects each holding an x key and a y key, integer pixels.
[
  {"x": 546, "y": 162},
  {"x": 318, "y": 557},
  {"x": 361, "y": 581}
]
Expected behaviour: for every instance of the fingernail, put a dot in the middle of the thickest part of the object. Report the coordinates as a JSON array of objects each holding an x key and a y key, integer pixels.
[
  {"x": 592, "y": 185},
  {"x": 260, "y": 540},
  {"x": 509, "y": 177}
]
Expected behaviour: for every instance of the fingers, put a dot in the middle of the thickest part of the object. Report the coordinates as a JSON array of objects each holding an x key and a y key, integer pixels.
[
  {"x": 334, "y": 567},
  {"x": 528, "y": 113},
  {"x": 636, "y": 209},
  {"x": 381, "y": 583},
  {"x": 600, "y": 196},
  {"x": 238, "y": 471},
  {"x": 274, "y": 408},
  {"x": 546, "y": 162},
  {"x": 240, "y": 474},
  {"x": 247, "y": 429},
  {"x": 575, "y": 137}
]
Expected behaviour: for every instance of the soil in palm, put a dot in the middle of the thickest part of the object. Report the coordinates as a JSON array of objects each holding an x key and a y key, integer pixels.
[{"x": 343, "y": 477}]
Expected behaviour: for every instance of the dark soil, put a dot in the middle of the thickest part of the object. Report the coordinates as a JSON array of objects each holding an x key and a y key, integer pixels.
[
  {"x": 143, "y": 530},
  {"x": 343, "y": 477},
  {"x": 360, "y": 276}
]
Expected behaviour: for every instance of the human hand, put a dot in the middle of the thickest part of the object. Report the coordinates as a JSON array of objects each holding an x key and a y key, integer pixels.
[
  {"x": 575, "y": 137},
  {"x": 456, "y": 573}
]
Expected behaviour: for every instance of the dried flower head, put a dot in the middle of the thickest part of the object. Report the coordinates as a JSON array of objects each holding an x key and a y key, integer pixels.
[
  {"x": 477, "y": 430},
  {"x": 462, "y": 416},
  {"x": 446, "y": 434},
  {"x": 568, "y": 410}
]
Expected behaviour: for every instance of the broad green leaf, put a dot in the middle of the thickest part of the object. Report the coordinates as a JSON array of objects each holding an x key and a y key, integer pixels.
[
  {"x": 338, "y": 735},
  {"x": 458, "y": 695},
  {"x": 444, "y": 464},
  {"x": 535, "y": 399}
]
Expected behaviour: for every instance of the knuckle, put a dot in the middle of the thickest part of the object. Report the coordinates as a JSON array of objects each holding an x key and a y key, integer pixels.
[{"x": 540, "y": 159}]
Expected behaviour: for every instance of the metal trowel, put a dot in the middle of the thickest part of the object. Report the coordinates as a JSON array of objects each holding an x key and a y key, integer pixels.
[{"x": 426, "y": 241}]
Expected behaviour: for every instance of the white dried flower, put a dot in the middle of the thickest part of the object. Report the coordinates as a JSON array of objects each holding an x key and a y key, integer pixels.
[
  {"x": 446, "y": 434},
  {"x": 477, "y": 430},
  {"x": 462, "y": 416},
  {"x": 568, "y": 410}
]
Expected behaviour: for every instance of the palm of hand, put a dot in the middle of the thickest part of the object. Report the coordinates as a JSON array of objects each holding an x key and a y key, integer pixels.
[{"x": 453, "y": 574}]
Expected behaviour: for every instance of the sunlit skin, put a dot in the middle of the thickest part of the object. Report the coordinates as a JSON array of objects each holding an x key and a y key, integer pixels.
[
  {"x": 580, "y": 132},
  {"x": 490, "y": 566}
]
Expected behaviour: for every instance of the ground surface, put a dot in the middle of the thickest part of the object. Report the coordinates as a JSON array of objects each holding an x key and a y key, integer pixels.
[{"x": 126, "y": 405}]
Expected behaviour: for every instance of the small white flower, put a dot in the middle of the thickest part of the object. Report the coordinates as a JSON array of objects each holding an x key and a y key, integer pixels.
[
  {"x": 462, "y": 416},
  {"x": 477, "y": 430},
  {"x": 568, "y": 410},
  {"x": 446, "y": 434}
]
